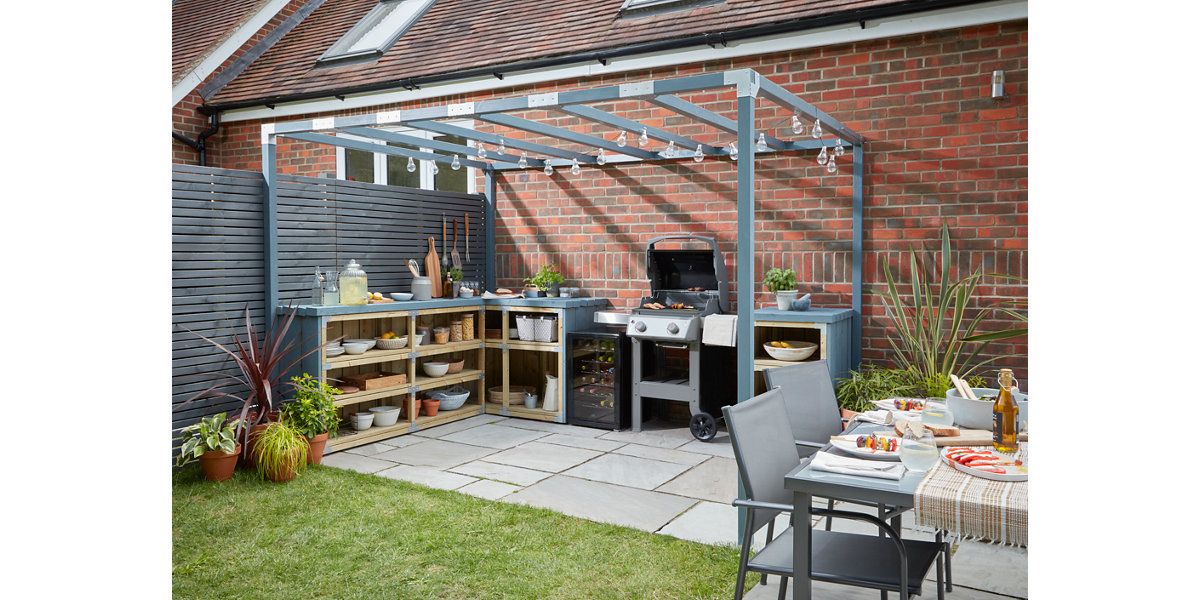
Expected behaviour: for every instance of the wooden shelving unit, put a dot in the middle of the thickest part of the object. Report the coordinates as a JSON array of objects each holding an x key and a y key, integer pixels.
[{"x": 828, "y": 328}]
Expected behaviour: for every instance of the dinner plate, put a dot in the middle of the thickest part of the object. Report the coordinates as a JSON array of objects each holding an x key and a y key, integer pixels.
[
  {"x": 1011, "y": 472},
  {"x": 849, "y": 445},
  {"x": 331, "y": 352},
  {"x": 888, "y": 404}
]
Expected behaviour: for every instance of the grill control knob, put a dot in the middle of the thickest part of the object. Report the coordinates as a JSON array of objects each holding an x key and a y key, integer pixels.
[
  {"x": 640, "y": 326},
  {"x": 672, "y": 328}
]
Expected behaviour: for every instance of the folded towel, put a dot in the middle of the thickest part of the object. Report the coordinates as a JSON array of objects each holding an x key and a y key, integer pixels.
[
  {"x": 824, "y": 461},
  {"x": 720, "y": 330},
  {"x": 878, "y": 417}
]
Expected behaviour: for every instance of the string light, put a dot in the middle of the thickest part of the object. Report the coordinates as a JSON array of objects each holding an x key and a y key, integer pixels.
[
  {"x": 797, "y": 126},
  {"x": 601, "y": 158},
  {"x": 454, "y": 164},
  {"x": 482, "y": 152},
  {"x": 816, "y": 130},
  {"x": 733, "y": 150},
  {"x": 435, "y": 168},
  {"x": 574, "y": 167},
  {"x": 644, "y": 139},
  {"x": 761, "y": 145},
  {"x": 523, "y": 162},
  {"x": 699, "y": 156},
  {"x": 411, "y": 165},
  {"x": 549, "y": 170},
  {"x": 840, "y": 149},
  {"x": 823, "y": 156},
  {"x": 670, "y": 151},
  {"x": 831, "y": 166},
  {"x": 621, "y": 139}
]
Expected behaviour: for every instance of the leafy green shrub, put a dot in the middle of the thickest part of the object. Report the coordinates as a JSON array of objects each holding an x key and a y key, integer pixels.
[
  {"x": 858, "y": 391},
  {"x": 778, "y": 280},
  {"x": 313, "y": 411},
  {"x": 546, "y": 278}
]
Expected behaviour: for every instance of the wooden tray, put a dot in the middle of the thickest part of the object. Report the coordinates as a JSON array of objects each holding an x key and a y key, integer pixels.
[{"x": 375, "y": 380}]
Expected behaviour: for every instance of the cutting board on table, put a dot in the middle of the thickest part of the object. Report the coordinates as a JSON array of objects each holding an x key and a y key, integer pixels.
[
  {"x": 434, "y": 269},
  {"x": 968, "y": 437}
]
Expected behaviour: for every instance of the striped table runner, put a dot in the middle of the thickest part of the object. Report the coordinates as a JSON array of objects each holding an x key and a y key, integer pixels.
[{"x": 974, "y": 507}]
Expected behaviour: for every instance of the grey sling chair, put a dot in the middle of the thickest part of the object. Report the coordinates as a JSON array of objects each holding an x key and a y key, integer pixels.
[
  {"x": 812, "y": 409},
  {"x": 765, "y": 454}
]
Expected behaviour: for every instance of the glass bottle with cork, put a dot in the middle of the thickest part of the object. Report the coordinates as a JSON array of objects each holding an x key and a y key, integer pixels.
[{"x": 1004, "y": 414}]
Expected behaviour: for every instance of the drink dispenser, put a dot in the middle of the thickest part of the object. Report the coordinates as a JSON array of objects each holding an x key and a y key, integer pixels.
[{"x": 353, "y": 284}]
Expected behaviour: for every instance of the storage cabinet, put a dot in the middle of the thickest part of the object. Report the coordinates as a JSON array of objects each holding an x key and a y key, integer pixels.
[
  {"x": 829, "y": 328},
  {"x": 322, "y": 324}
]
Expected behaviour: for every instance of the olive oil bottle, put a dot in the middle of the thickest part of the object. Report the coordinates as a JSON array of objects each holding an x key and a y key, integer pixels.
[{"x": 1004, "y": 415}]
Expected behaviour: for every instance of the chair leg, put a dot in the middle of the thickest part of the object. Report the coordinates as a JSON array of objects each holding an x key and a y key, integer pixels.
[
  {"x": 941, "y": 589},
  {"x": 782, "y": 588},
  {"x": 770, "y": 536},
  {"x": 828, "y": 521},
  {"x": 744, "y": 558},
  {"x": 946, "y": 554}
]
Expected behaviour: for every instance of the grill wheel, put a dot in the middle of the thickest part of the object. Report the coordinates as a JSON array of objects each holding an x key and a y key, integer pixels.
[{"x": 703, "y": 426}]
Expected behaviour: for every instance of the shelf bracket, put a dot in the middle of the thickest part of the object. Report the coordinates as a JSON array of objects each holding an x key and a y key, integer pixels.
[
  {"x": 413, "y": 428},
  {"x": 414, "y": 389},
  {"x": 505, "y": 347},
  {"x": 504, "y": 412}
]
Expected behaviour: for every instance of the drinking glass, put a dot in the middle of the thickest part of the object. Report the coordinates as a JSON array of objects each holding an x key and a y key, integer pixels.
[
  {"x": 918, "y": 453},
  {"x": 937, "y": 413}
]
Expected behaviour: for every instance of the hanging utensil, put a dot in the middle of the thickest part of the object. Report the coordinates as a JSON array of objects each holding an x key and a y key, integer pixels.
[
  {"x": 445, "y": 259},
  {"x": 433, "y": 269},
  {"x": 467, "y": 228},
  {"x": 454, "y": 252}
]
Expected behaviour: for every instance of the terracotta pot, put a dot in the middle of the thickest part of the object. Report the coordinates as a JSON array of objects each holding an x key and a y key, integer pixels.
[
  {"x": 272, "y": 416},
  {"x": 248, "y": 451},
  {"x": 430, "y": 406},
  {"x": 316, "y": 447},
  {"x": 287, "y": 472},
  {"x": 847, "y": 414},
  {"x": 217, "y": 465}
]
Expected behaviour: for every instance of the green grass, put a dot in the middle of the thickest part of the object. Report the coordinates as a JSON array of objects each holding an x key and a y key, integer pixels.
[{"x": 332, "y": 533}]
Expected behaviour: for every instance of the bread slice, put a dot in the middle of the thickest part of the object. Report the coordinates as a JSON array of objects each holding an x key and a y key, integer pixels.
[{"x": 918, "y": 428}]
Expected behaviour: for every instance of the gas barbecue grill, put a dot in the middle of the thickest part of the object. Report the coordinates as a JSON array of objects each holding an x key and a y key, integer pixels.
[{"x": 669, "y": 362}]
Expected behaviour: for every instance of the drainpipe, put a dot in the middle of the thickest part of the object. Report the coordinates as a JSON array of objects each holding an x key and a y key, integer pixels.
[{"x": 198, "y": 143}]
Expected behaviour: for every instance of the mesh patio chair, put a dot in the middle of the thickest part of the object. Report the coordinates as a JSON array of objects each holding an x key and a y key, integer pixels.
[{"x": 763, "y": 449}]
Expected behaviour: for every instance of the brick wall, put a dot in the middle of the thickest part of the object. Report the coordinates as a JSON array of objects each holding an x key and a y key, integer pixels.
[{"x": 938, "y": 147}]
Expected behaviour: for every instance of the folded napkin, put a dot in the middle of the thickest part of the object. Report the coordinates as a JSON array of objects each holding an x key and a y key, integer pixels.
[
  {"x": 878, "y": 417},
  {"x": 824, "y": 461},
  {"x": 487, "y": 294}
]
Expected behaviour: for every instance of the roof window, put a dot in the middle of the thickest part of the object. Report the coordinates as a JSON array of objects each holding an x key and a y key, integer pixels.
[
  {"x": 637, "y": 8},
  {"x": 377, "y": 31}
]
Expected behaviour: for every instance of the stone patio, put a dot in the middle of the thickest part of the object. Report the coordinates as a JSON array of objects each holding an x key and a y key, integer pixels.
[{"x": 660, "y": 480}]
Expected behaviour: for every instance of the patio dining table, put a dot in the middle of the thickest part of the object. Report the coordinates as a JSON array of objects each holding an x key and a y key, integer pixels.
[{"x": 958, "y": 509}]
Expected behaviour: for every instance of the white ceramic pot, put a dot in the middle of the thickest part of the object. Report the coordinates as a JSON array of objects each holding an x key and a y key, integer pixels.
[
  {"x": 362, "y": 420},
  {"x": 784, "y": 298},
  {"x": 977, "y": 414},
  {"x": 385, "y": 416}
]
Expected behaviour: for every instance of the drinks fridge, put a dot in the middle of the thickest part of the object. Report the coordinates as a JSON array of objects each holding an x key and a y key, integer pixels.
[{"x": 599, "y": 391}]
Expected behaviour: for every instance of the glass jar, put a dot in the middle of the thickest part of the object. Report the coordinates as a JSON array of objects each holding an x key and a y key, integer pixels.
[
  {"x": 441, "y": 335},
  {"x": 456, "y": 331},
  {"x": 353, "y": 285},
  {"x": 468, "y": 326}
]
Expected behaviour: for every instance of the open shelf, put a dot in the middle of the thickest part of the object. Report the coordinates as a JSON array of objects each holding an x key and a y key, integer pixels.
[
  {"x": 369, "y": 357},
  {"x": 519, "y": 345},
  {"x": 434, "y": 349},
  {"x": 348, "y": 438},
  {"x": 359, "y": 397},
  {"x": 429, "y": 383}
]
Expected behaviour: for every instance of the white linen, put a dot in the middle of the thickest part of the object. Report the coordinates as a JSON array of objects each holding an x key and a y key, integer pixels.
[
  {"x": 720, "y": 330},
  {"x": 878, "y": 417},
  {"x": 824, "y": 461}
]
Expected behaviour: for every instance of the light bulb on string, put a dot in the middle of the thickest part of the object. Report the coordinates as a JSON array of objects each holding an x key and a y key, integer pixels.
[
  {"x": 644, "y": 139},
  {"x": 621, "y": 139},
  {"x": 482, "y": 152},
  {"x": 670, "y": 151},
  {"x": 524, "y": 162},
  {"x": 501, "y": 149},
  {"x": 733, "y": 150},
  {"x": 435, "y": 168},
  {"x": 575, "y": 170},
  {"x": 816, "y": 130},
  {"x": 823, "y": 156},
  {"x": 840, "y": 148},
  {"x": 831, "y": 166},
  {"x": 699, "y": 155},
  {"x": 454, "y": 164},
  {"x": 761, "y": 144},
  {"x": 549, "y": 170},
  {"x": 797, "y": 126},
  {"x": 601, "y": 159},
  {"x": 411, "y": 165}
]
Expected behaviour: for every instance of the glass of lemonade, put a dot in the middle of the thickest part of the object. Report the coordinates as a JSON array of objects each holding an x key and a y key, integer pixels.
[
  {"x": 918, "y": 453},
  {"x": 937, "y": 413}
]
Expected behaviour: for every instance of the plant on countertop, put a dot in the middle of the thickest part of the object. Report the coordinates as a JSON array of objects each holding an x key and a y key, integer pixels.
[
  {"x": 455, "y": 274},
  {"x": 546, "y": 278},
  {"x": 279, "y": 451},
  {"x": 861, "y": 388},
  {"x": 780, "y": 280},
  {"x": 210, "y": 434},
  {"x": 312, "y": 411},
  {"x": 932, "y": 331}
]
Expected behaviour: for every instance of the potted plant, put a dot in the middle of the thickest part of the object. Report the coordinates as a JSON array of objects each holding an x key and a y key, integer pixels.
[
  {"x": 782, "y": 283},
  {"x": 313, "y": 412},
  {"x": 545, "y": 280},
  {"x": 280, "y": 450},
  {"x": 455, "y": 275},
  {"x": 213, "y": 441}
]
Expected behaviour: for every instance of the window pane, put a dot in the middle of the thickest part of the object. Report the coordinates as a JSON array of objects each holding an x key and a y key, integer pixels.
[
  {"x": 397, "y": 169},
  {"x": 360, "y": 166},
  {"x": 447, "y": 179}
]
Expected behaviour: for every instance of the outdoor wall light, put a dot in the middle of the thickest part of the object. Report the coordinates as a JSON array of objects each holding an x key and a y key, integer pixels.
[{"x": 997, "y": 84}]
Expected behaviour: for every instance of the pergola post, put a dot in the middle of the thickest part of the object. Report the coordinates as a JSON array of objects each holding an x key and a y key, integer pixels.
[
  {"x": 270, "y": 223},
  {"x": 745, "y": 246},
  {"x": 489, "y": 224},
  {"x": 857, "y": 274}
]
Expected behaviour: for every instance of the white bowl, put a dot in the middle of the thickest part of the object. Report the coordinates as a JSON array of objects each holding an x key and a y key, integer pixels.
[
  {"x": 798, "y": 351},
  {"x": 401, "y": 296},
  {"x": 385, "y": 416},
  {"x": 436, "y": 369},
  {"x": 362, "y": 420},
  {"x": 418, "y": 339},
  {"x": 332, "y": 352},
  {"x": 369, "y": 342},
  {"x": 355, "y": 348},
  {"x": 977, "y": 414}
]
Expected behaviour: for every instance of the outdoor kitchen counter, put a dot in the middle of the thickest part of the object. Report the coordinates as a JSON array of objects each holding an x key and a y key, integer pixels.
[
  {"x": 309, "y": 310},
  {"x": 830, "y": 328}
]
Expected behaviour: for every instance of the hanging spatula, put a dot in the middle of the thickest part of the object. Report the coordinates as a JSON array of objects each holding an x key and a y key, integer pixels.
[{"x": 454, "y": 258}]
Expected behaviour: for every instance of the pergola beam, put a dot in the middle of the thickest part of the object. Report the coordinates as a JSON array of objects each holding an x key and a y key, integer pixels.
[
  {"x": 492, "y": 138},
  {"x": 318, "y": 138},
  {"x": 599, "y": 116},
  {"x": 775, "y": 93},
  {"x": 565, "y": 134},
  {"x": 699, "y": 113},
  {"x": 466, "y": 151}
]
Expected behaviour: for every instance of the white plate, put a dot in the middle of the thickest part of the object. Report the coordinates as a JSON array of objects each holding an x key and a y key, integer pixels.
[
  {"x": 1011, "y": 472},
  {"x": 888, "y": 404},
  {"x": 331, "y": 352},
  {"x": 849, "y": 445}
]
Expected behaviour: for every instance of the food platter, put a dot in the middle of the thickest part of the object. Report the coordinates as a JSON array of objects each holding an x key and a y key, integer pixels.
[
  {"x": 849, "y": 445},
  {"x": 890, "y": 404},
  {"x": 990, "y": 464}
]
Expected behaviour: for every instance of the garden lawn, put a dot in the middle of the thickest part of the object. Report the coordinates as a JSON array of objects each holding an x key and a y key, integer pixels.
[{"x": 333, "y": 533}]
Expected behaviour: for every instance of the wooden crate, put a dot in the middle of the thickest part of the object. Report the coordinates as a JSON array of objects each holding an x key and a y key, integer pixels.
[{"x": 375, "y": 380}]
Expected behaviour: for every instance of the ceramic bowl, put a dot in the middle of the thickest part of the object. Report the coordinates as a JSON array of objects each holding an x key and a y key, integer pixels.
[
  {"x": 798, "y": 351},
  {"x": 354, "y": 348},
  {"x": 456, "y": 366},
  {"x": 369, "y": 342},
  {"x": 436, "y": 369},
  {"x": 451, "y": 399},
  {"x": 401, "y": 296},
  {"x": 362, "y": 420},
  {"x": 385, "y": 416},
  {"x": 977, "y": 414}
]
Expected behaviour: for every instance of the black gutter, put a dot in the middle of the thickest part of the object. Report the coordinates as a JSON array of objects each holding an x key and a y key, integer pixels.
[
  {"x": 198, "y": 143},
  {"x": 603, "y": 56}
]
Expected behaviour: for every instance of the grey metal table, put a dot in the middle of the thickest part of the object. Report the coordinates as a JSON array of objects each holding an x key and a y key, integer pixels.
[{"x": 806, "y": 483}]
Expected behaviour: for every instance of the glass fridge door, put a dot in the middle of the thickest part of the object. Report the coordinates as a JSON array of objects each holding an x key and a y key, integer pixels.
[{"x": 593, "y": 394}]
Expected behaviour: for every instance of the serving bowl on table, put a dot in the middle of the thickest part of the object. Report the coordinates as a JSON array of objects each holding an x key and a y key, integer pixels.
[
  {"x": 435, "y": 368},
  {"x": 977, "y": 414},
  {"x": 798, "y": 351}
]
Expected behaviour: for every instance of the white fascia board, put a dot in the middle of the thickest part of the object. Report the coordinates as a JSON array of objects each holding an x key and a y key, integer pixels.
[
  {"x": 951, "y": 18},
  {"x": 217, "y": 57}
]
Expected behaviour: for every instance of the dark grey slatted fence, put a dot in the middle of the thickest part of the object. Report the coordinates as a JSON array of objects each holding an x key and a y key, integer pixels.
[{"x": 217, "y": 255}]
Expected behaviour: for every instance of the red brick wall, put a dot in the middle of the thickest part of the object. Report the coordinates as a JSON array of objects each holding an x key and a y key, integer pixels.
[{"x": 938, "y": 147}]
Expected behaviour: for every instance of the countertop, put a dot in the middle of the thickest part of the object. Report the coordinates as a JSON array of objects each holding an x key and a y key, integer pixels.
[
  {"x": 309, "y": 310},
  {"x": 812, "y": 315}
]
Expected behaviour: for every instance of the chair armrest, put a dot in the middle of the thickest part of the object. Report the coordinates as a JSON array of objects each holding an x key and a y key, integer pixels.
[
  {"x": 765, "y": 505},
  {"x": 809, "y": 444}
]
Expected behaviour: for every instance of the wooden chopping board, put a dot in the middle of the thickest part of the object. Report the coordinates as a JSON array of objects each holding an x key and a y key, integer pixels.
[
  {"x": 433, "y": 269},
  {"x": 971, "y": 437}
]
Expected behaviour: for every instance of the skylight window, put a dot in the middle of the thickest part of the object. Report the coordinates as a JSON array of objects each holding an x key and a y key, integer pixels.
[
  {"x": 377, "y": 31},
  {"x": 640, "y": 7}
]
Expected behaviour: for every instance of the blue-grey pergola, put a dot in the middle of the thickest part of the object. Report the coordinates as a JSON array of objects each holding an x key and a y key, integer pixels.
[{"x": 747, "y": 84}]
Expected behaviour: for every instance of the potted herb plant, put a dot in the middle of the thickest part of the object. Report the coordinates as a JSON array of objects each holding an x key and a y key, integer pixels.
[
  {"x": 455, "y": 275},
  {"x": 213, "y": 441},
  {"x": 545, "y": 280},
  {"x": 313, "y": 412},
  {"x": 782, "y": 283},
  {"x": 279, "y": 451}
]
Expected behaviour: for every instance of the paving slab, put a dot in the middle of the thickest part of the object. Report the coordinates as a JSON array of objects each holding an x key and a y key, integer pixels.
[
  {"x": 575, "y": 441},
  {"x": 543, "y": 457},
  {"x": 603, "y": 502},
  {"x": 664, "y": 454},
  {"x": 712, "y": 523},
  {"x": 489, "y": 490},
  {"x": 717, "y": 447},
  {"x": 435, "y": 453},
  {"x": 832, "y": 591},
  {"x": 659, "y": 437},
  {"x": 371, "y": 449},
  {"x": 631, "y": 471},
  {"x": 991, "y": 567},
  {"x": 498, "y": 472},
  {"x": 553, "y": 427},
  {"x": 356, "y": 462},
  {"x": 434, "y": 478},
  {"x": 716, "y": 480},
  {"x": 438, "y": 431},
  {"x": 401, "y": 441},
  {"x": 499, "y": 437}
]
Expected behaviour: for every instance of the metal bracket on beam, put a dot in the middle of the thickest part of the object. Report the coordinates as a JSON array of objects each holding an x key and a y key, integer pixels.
[
  {"x": 505, "y": 347},
  {"x": 268, "y": 133},
  {"x": 504, "y": 412},
  {"x": 635, "y": 90},
  {"x": 414, "y": 389},
  {"x": 745, "y": 80},
  {"x": 537, "y": 100},
  {"x": 458, "y": 110}
]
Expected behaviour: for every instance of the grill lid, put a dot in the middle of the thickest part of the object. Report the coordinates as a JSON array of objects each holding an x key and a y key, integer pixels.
[{"x": 678, "y": 270}]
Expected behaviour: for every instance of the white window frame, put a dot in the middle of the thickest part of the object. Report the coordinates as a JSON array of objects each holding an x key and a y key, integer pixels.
[
  {"x": 425, "y": 166},
  {"x": 372, "y": 20}
]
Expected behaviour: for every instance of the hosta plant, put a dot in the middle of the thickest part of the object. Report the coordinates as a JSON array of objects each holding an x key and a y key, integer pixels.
[{"x": 212, "y": 433}]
